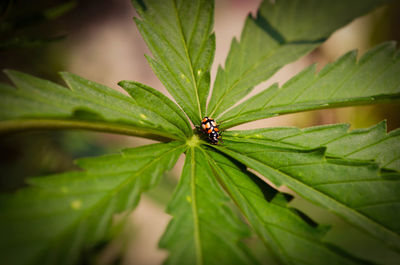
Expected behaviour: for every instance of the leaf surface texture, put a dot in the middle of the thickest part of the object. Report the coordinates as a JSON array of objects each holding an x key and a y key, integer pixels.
[
  {"x": 58, "y": 216},
  {"x": 204, "y": 230},
  {"x": 280, "y": 33},
  {"x": 293, "y": 239},
  {"x": 179, "y": 35},
  {"x": 346, "y": 82},
  {"x": 346, "y": 182},
  {"x": 38, "y": 100}
]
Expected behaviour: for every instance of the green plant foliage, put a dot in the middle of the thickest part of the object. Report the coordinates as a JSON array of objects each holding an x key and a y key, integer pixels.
[
  {"x": 70, "y": 211},
  {"x": 354, "y": 174},
  {"x": 150, "y": 98},
  {"x": 364, "y": 144},
  {"x": 183, "y": 48},
  {"x": 295, "y": 240},
  {"x": 343, "y": 83},
  {"x": 85, "y": 104},
  {"x": 204, "y": 230},
  {"x": 331, "y": 181},
  {"x": 281, "y": 33}
]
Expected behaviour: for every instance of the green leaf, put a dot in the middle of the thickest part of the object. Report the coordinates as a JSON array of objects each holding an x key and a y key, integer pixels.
[
  {"x": 178, "y": 33},
  {"x": 148, "y": 97},
  {"x": 38, "y": 103},
  {"x": 353, "y": 189},
  {"x": 203, "y": 229},
  {"x": 282, "y": 32},
  {"x": 346, "y": 82},
  {"x": 293, "y": 238},
  {"x": 52, "y": 221},
  {"x": 364, "y": 144}
]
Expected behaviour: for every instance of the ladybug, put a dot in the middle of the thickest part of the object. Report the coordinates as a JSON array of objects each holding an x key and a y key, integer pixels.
[{"x": 210, "y": 127}]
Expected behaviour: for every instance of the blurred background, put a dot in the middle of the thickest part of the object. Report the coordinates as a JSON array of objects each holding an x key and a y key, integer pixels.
[{"x": 98, "y": 40}]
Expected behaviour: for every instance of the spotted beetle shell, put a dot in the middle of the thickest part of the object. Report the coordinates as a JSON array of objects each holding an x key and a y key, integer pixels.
[{"x": 210, "y": 127}]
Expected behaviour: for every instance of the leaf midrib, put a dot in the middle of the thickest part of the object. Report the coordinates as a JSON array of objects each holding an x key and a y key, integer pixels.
[
  {"x": 196, "y": 226},
  {"x": 325, "y": 143},
  {"x": 194, "y": 83},
  {"x": 310, "y": 106}
]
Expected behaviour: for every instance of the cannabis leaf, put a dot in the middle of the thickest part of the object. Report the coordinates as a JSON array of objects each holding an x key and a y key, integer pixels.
[
  {"x": 354, "y": 174},
  {"x": 330, "y": 177},
  {"x": 38, "y": 103},
  {"x": 70, "y": 211},
  {"x": 343, "y": 83},
  {"x": 148, "y": 97},
  {"x": 292, "y": 237},
  {"x": 204, "y": 230},
  {"x": 281, "y": 33},
  {"x": 364, "y": 144},
  {"x": 183, "y": 48}
]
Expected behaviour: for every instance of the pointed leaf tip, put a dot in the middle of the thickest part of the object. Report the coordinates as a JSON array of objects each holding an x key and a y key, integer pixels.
[{"x": 180, "y": 38}]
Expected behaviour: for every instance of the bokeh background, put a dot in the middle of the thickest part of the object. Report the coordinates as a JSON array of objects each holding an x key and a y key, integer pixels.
[{"x": 98, "y": 40}]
